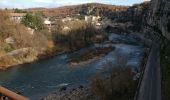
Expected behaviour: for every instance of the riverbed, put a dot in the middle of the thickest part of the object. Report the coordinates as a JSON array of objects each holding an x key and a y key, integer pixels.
[{"x": 38, "y": 79}]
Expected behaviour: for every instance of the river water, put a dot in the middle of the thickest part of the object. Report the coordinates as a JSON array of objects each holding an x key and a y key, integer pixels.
[{"x": 40, "y": 78}]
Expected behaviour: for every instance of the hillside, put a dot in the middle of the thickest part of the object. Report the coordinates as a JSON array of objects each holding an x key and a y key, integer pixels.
[
  {"x": 17, "y": 45},
  {"x": 90, "y": 8}
]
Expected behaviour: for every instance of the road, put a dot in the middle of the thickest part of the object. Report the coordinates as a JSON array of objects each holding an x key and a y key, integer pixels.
[{"x": 150, "y": 88}]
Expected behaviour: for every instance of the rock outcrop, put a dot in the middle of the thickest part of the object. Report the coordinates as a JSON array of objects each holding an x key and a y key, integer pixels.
[
  {"x": 132, "y": 20},
  {"x": 159, "y": 16},
  {"x": 151, "y": 18}
]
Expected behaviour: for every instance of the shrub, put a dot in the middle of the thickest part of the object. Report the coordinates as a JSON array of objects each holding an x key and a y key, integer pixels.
[
  {"x": 83, "y": 36},
  {"x": 78, "y": 37},
  {"x": 119, "y": 85},
  {"x": 8, "y": 48}
]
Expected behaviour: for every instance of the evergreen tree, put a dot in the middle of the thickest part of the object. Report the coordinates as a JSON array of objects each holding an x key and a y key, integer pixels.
[{"x": 33, "y": 21}]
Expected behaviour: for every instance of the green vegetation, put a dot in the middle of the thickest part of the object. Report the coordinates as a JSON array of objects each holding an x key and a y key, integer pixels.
[
  {"x": 33, "y": 21},
  {"x": 19, "y": 11},
  {"x": 165, "y": 68}
]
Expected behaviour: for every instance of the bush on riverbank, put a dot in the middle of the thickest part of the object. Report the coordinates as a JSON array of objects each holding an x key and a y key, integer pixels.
[
  {"x": 119, "y": 86},
  {"x": 85, "y": 36},
  {"x": 79, "y": 36}
]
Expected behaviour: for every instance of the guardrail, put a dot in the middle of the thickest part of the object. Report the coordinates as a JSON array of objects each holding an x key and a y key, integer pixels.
[
  {"x": 141, "y": 75},
  {"x": 7, "y": 94}
]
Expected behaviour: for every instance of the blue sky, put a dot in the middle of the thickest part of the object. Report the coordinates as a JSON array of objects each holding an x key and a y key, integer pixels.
[{"x": 57, "y": 3}]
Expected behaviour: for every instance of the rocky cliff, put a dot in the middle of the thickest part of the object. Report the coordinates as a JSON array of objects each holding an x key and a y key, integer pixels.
[
  {"x": 159, "y": 16},
  {"x": 151, "y": 18},
  {"x": 131, "y": 20}
]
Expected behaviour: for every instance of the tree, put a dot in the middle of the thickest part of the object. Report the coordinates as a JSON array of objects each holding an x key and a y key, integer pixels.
[
  {"x": 33, "y": 21},
  {"x": 19, "y": 11}
]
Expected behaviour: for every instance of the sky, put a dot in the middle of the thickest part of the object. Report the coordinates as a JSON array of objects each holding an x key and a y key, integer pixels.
[{"x": 58, "y": 3}]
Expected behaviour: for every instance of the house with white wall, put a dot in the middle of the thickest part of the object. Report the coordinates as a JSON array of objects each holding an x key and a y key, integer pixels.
[
  {"x": 47, "y": 23},
  {"x": 17, "y": 17}
]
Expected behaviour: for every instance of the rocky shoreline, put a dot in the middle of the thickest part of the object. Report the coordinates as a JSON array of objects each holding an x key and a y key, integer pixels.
[{"x": 79, "y": 92}]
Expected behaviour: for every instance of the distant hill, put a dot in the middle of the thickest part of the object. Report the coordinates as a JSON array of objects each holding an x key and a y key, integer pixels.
[{"x": 85, "y": 9}]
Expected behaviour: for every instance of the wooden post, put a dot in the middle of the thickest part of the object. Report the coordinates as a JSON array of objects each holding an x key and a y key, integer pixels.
[{"x": 10, "y": 94}]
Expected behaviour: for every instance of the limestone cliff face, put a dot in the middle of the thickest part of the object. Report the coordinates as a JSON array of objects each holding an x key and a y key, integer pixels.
[
  {"x": 131, "y": 20},
  {"x": 159, "y": 16}
]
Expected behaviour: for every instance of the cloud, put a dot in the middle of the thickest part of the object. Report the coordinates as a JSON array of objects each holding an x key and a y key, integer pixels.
[{"x": 44, "y": 1}]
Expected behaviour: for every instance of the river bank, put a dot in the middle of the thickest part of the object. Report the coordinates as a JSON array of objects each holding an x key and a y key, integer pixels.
[
  {"x": 104, "y": 86},
  {"x": 21, "y": 56},
  {"x": 74, "y": 93},
  {"x": 93, "y": 90},
  {"x": 25, "y": 56},
  {"x": 46, "y": 55},
  {"x": 38, "y": 79}
]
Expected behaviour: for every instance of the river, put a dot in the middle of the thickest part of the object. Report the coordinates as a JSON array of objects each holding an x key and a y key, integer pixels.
[{"x": 38, "y": 79}]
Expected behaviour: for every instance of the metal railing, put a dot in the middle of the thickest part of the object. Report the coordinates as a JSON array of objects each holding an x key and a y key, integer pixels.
[
  {"x": 141, "y": 75},
  {"x": 7, "y": 94}
]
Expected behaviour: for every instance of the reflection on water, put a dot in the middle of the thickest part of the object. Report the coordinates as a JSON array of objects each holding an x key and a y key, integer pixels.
[{"x": 40, "y": 78}]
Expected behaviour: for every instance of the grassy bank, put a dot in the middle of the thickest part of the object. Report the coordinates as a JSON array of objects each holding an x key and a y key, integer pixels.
[{"x": 165, "y": 68}]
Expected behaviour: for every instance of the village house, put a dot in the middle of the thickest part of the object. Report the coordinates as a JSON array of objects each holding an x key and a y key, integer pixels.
[
  {"x": 47, "y": 23},
  {"x": 66, "y": 19},
  {"x": 94, "y": 20},
  {"x": 17, "y": 17}
]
